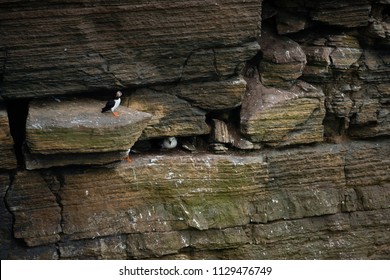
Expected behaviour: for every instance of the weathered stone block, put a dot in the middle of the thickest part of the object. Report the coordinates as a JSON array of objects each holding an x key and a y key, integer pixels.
[
  {"x": 371, "y": 113},
  {"x": 280, "y": 117},
  {"x": 290, "y": 23},
  {"x": 229, "y": 134}
]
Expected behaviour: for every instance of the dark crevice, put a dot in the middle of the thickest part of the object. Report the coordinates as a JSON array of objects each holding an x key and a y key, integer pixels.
[{"x": 17, "y": 111}]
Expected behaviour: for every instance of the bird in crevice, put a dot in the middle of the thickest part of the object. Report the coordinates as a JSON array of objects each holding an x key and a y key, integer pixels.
[
  {"x": 169, "y": 143},
  {"x": 127, "y": 158},
  {"x": 113, "y": 104}
]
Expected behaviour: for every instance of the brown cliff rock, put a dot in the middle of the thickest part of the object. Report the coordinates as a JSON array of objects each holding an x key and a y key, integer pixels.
[
  {"x": 35, "y": 209},
  {"x": 172, "y": 116},
  {"x": 279, "y": 117},
  {"x": 222, "y": 132},
  {"x": 77, "y": 46},
  {"x": 367, "y": 171},
  {"x": 295, "y": 198},
  {"x": 162, "y": 204},
  {"x": 318, "y": 64},
  {"x": 283, "y": 60},
  {"x": 324, "y": 237},
  {"x": 6, "y": 237},
  {"x": 7, "y": 154},
  {"x": 219, "y": 95},
  {"x": 347, "y": 13},
  {"x": 161, "y": 193}
]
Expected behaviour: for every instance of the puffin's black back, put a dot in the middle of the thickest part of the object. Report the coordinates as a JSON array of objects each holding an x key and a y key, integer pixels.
[{"x": 110, "y": 103}]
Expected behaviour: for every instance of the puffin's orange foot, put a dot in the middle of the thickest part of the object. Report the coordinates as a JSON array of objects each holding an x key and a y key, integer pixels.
[
  {"x": 128, "y": 159},
  {"x": 116, "y": 114}
]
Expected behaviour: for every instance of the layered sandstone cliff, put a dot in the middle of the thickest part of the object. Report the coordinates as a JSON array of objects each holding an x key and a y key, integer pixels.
[{"x": 281, "y": 111}]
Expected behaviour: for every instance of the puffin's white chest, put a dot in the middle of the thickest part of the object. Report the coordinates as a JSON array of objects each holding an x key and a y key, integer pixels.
[{"x": 116, "y": 104}]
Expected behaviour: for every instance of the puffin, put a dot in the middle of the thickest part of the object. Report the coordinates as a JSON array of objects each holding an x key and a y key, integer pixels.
[
  {"x": 127, "y": 158},
  {"x": 113, "y": 104},
  {"x": 169, "y": 143}
]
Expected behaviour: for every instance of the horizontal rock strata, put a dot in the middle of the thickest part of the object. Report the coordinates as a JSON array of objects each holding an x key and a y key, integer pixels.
[
  {"x": 121, "y": 43},
  {"x": 210, "y": 202}
]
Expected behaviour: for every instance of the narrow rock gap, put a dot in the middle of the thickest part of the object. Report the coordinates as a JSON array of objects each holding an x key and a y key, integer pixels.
[{"x": 17, "y": 111}]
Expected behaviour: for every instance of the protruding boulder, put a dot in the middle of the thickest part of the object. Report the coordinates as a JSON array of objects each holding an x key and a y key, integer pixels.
[
  {"x": 76, "y": 129},
  {"x": 283, "y": 60},
  {"x": 279, "y": 117}
]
